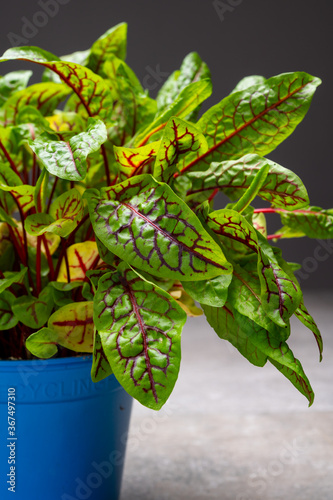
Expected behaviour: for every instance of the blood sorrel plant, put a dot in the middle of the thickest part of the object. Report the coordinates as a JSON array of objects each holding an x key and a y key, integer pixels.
[{"x": 108, "y": 232}]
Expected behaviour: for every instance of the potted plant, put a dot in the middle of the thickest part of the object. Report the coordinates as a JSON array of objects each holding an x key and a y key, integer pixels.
[{"x": 109, "y": 239}]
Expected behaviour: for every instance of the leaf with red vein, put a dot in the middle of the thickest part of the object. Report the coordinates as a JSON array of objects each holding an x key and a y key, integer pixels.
[
  {"x": 132, "y": 160},
  {"x": 245, "y": 295},
  {"x": 11, "y": 278},
  {"x": 280, "y": 294},
  {"x": 187, "y": 101},
  {"x": 93, "y": 94},
  {"x": 147, "y": 225},
  {"x": 24, "y": 195},
  {"x": 43, "y": 343},
  {"x": 113, "y": 42},
  {"x": 178, "y": 139},
  {"x": 282, "y": 188},
  {"x": 140, "y": 328},
  {"x": 74, "y": 326},
  {"x": 192, "y": 70},
  {"x": 67, "y": 160},
  {"x": 65, "y": 214},
  {"x": 313, "y": 222},
  {"x": 254, "y": 120},
  {"x": 100, "y": 368},
  {"x": 81, "y": 258},
  {"x": 42, "y": 96},
  {"x": 305, "y": 317},
  {"x": 32, "y": 311}
]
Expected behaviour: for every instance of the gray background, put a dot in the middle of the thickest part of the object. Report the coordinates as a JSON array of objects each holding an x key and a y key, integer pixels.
[{"x": 257, "y": 37}]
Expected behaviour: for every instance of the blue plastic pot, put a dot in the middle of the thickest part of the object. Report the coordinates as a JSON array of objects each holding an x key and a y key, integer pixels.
[{"x": 70, "y": 433}]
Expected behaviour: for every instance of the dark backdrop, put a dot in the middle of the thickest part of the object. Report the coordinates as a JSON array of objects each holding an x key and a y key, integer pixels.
[{"x": 246, "y": 37}]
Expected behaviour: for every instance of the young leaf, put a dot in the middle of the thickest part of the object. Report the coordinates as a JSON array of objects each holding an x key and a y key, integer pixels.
[
  {"x": 45, "y": 97},
  {"x": 74, "y": 326},
  {"x": 140, "y": 327},
  {"x": 113, "y": 42},
  {"x": 13, "y": 82},
  {"x": 67, "y": 160},
  {"x": 252, "y": 190},
  {"x": 65, "y": 214},
  {"x": 192, "y": 70},
  {"x": 213, "y": 292},
  {"x": 131, "y": 161},
  {"x": 147, "y": 225},
  {"x": 7, "y": 317},
  {"x": 11, "y": 278},
  {"x": 282, "y": 188},
  {"x": 93, "y": 95},
  {"x": 32, "y": 311},
  {"x": 187, "y": 101},
  {"x": 255, "y": 120},
  {"x": 179, "y": 138},
  {"x": 43, "y": 343},
  {"x": 100, "y": 368},
  {"x": 81, "y": 257}
]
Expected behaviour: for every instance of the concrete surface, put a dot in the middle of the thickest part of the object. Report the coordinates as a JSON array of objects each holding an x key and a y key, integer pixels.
[{"x": 232, "y": 431}]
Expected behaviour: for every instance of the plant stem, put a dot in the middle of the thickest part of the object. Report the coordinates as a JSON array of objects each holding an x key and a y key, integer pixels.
[
  {"x": 9, "y": 159},
  {"x": 106, "y": 165},
  {"x": 38, "y": 266},
  {"x": 49, "y": 258},
  {"x": 51, "y": 194}
]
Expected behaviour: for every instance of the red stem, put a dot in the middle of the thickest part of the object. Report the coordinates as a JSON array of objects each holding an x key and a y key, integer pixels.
[
  {"x": 51, "y": 194},
  {"x": 12, "y": 164},
  {"x": 38, "y": 266},
  {"x": 214, "y": 193},
  {"x": 274, "y": 236},
  {"x": 49, "y": 258},
  {"x": 106, "y": 165}
]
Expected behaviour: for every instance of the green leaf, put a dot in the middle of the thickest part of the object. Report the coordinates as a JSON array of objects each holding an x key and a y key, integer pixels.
[
  {"x": 279, "y": 354},
  {"x": 131, "y": 161},
  {"x": 74, "y": 326},
  {"x": 313, "y": 222},
  {"x": 252, "y": 190},
  {"x": 222, "y": 320},
  {"x": 147, "y": 225},
  {"x": 13, "y": 82},
  {"x": 32, "y": 311},
  {"x": 7, "y": 318},
  {"x": 11, "y": 278},
  {"x": 45, "y": 97},
  {"x": 93, "y": 97},
  {"x": 282, "y": 188},
  {"x": 140, "y": 327},
  {"x": 100, "y": 366},
  {"x": 187, "y": 101},
  {"x": 245, "y": 296},
  {"x": 305, "y": 317},
  {"x": 255, "y": 120},
  {"x": 22, "y": 193},
  {"x": 67, "y": 160},
  {"x": 213, "y": 292},
  {"x": 113, "y": 42},
  {"x": 281, "y": 295},
  {"x": 65, "y": 214},
  {"x": 192, "y": 70},
  {"x": 43, "y": 343},
  {"x": 179, "y": 138},
  {"x": 249, "y": 81}
]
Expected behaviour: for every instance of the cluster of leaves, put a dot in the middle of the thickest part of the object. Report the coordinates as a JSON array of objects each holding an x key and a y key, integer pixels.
[{"x": 108, "y": 235}]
